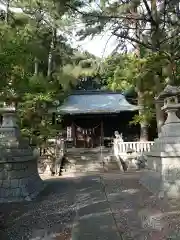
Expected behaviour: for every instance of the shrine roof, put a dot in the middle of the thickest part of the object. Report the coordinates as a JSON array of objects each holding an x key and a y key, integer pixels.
[{"x": 95, "y": 102}]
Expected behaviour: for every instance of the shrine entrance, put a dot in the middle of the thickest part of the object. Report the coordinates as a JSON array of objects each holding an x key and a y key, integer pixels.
[{"x": 88, "y": 137}]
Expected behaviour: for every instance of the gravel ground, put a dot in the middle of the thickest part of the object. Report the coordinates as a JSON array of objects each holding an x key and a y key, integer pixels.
[{"x": 50, "y": 216}]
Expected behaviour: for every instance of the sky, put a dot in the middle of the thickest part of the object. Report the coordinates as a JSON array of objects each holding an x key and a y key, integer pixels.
[{"x": 100, "y": 46}]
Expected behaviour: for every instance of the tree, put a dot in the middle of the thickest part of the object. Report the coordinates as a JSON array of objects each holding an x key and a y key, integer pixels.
[
  {"x": 25, "y": 79},
  {"x": 150, "y": 19}
]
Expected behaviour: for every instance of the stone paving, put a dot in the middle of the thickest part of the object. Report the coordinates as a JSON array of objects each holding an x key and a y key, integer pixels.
[
  {"x": 94, "y": 218},
  {"x": 102, "y": 206}
]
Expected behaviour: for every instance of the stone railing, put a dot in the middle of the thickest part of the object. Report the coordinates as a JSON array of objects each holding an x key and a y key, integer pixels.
[{"x": 123, "y": 147}]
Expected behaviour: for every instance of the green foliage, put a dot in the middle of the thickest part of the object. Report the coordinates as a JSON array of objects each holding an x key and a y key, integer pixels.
[
  {"x": 127, "y": 71},
  {"x": 146, "y": 117},
  {"x": 26, "y": 55}
]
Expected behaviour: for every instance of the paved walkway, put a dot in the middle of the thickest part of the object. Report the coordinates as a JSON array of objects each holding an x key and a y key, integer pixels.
[{"x": 105, "y": 206}]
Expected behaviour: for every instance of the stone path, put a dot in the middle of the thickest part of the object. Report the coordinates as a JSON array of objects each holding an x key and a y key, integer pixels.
[
  {"x": 102, "y": 206},
  {"x": 94, "y": 218}
]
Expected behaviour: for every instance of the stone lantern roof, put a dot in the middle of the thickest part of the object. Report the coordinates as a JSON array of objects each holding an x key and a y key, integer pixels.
[{"x": 169, "y": 91}]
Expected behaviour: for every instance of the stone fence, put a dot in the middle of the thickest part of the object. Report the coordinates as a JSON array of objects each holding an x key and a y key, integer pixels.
[
  {"x": 121, "y": 147},
  {"x": 130, "y": 155}
]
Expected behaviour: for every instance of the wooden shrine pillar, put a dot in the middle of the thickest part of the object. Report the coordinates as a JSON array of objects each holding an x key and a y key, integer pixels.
[
  {"x": 102, "y": 133},
  {"x": 73, "y": 134}
]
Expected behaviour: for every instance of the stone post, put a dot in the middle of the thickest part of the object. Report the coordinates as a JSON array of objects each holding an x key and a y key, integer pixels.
[
  {"x": 19, "y": 178},
  {"x": 163, "y": 176}
]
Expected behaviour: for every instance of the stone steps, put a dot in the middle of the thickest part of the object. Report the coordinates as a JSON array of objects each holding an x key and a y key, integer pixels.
[{"x": 86, "y": 162}]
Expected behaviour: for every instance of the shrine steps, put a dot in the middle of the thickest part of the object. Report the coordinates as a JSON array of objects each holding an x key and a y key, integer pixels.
[{"x": 87, "y": 161}]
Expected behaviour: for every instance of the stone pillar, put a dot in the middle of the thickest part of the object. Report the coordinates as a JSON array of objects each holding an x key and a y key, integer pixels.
[
  {"x": 19, "y": 178},
  {"x": 163, "y": 175}
]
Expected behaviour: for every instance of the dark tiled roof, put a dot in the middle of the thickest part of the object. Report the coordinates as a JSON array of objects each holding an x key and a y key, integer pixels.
[{"x": 95, "y": 102}]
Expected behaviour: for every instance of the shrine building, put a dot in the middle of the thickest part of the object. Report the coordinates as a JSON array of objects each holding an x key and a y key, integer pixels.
[{"x": 91, "y": 118}]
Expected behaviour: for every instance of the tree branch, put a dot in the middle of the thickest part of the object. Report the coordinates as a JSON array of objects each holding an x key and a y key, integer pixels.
[
  {"x": 132, "y": 40},
  {"x": 108, "y": 17},
  {"x": 149, "y": 11}
]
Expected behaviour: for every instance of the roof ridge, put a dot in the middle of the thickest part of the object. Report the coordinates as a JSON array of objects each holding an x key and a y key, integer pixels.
[{"x": 91, "y": 92}]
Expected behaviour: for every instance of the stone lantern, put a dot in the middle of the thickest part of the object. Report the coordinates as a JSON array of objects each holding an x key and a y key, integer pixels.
[
  {"x": 163, "y": 175},
  {"x": 19, "y": 178}
]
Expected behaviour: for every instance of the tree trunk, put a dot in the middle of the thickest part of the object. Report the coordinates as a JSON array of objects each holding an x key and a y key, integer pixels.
[
  {"x": 7, "y": 11},
  {"x": 49, "y": 70},
  {"x": 155, "y": 32},
  {"x": 143, "y": 132},
  {"x": 139, "y": 88},
  {"x": 159, "y": 113},
  {"x": 159, "y": 117},
  {"x": 36, "y": 66},
  {"x": 143, "y": 124},
  {"x": 51, "y": 60},
  {"x": 54, "y": 47}
]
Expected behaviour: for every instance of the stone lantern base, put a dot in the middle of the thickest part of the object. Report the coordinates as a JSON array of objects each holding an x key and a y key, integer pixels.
[
  {"x": 163, "y": 178},
  {"x": 19, "y": 178},
  {"x": 163, "y": 174}
]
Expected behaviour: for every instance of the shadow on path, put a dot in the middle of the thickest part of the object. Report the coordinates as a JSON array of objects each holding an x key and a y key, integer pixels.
[
  {"x": 74, "y": 208},
  {"x": 105, "y": 206},
  {"x": 51, "y": 214},
  {"x": 139, "y": 214}
]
